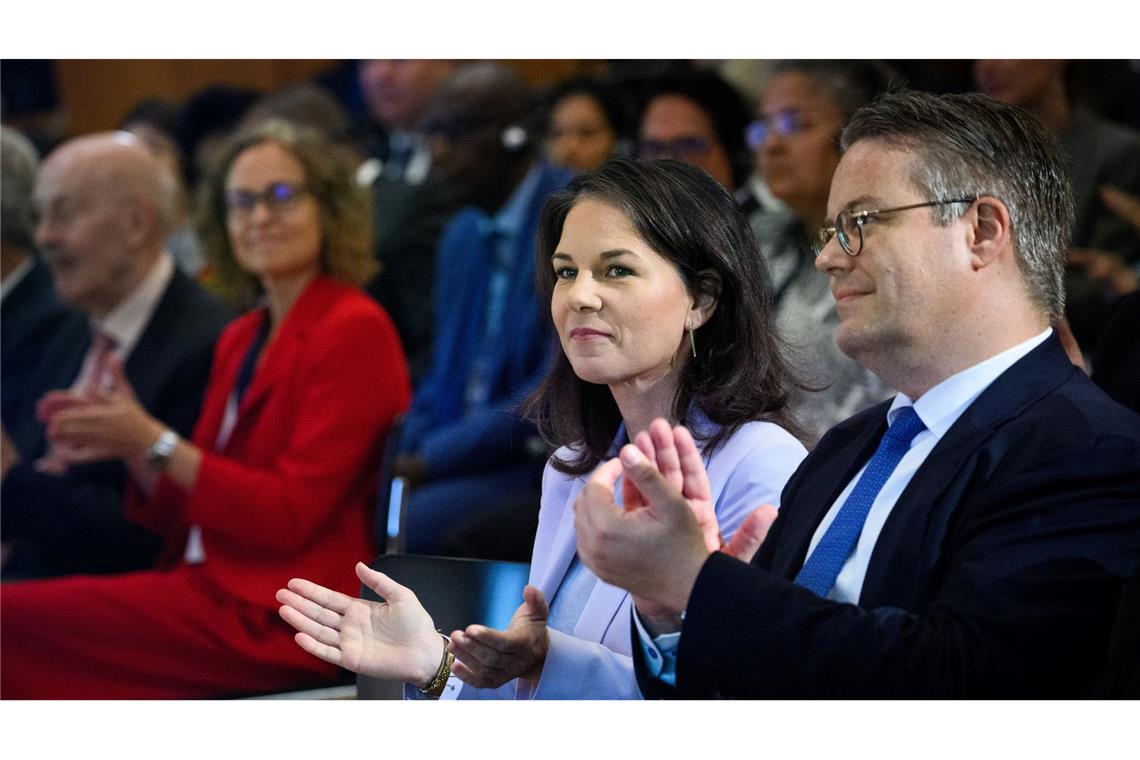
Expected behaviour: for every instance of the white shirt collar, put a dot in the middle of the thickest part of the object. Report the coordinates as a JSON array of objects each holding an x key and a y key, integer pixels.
[
  {"x": 127, "y": 321},
  {"x": 15, "y": 277},
  {"x": 941, "y": 406}
]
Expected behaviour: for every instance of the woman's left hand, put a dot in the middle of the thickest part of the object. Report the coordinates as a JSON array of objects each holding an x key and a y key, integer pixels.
[
  {"x": 487, "y": 658},
  {"x": 109, "y": 425}
]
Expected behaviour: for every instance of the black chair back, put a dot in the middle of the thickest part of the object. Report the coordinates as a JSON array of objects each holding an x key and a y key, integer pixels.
[{"x": 455, "y": 592}]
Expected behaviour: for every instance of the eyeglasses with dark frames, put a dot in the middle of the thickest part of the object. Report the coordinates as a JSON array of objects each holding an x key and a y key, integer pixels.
[
  {"x": 848, "y": 225},
  {"x": 278, "y": 197}
]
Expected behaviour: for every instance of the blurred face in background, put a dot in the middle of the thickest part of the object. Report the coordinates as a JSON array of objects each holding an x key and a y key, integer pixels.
[
  {"x": 580, "y": 136},
  {"x": 396, "y": 92},
  {"x": 675, "y": 127},
  {"x": 272, "y": 218},
  {"x": 795, "y": 140},
  {"x": 1021, "y": 83}
]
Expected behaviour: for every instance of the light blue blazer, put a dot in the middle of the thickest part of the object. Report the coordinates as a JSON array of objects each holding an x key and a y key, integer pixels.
[{"x": 593, "y": 660}]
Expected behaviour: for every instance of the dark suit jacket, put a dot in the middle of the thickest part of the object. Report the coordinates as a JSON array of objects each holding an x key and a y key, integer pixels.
[
  {"x": 75, "y": 523},
  {"x": 409, "y": 220},
  {"x": 1116, "y": 366},
  {"x": 996, "y": 575},
  {"x": 451, "y": 439},
  {"x": 31, "y": 318}
]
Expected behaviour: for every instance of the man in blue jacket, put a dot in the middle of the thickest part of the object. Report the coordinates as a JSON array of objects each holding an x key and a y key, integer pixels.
[{"x": 465, "y": 449}]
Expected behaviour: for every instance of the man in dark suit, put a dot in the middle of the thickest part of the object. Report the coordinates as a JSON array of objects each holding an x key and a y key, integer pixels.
[
  {"x": 104, "y": 205},
  {"x": 967, "y": 539}
]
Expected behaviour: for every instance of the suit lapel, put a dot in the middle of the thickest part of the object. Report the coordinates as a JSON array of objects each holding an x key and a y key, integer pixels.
[
  {"x": 561, "y": 549},
  {"x": 919, "y": 520},
  {"x": 847, "y": 450},
  {"x": 604, "y": 602}
]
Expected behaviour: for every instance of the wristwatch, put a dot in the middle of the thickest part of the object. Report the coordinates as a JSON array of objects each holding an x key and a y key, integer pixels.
[{"x": 159, "y": 453}]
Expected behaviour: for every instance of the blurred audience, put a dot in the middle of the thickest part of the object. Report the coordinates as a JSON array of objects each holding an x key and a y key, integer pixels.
[
  {"x": 1099, "y": 154},
  {"x": 696, "y": 117},
  {"x": 587, "y": 122},
  {"x": 796, "y": 143},
  {"x": 105, "y": 206},
  {"x": 30, "y": 313},
  {"x": 412, "y": 200},
  {"x": 155, "y": 122},
  {"x": 465, "y": 449},
  {"x": 279, "y": 474},
  {"x": 1116, "y": 367}
]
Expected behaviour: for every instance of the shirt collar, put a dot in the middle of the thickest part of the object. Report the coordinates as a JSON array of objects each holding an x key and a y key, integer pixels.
[
  {"x": 941, "y": 406},
  {"x": 15, "y": 277},
  {"x": 127, "y": 321}
]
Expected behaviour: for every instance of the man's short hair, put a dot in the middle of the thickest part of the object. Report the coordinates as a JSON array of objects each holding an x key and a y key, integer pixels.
[
  {"x": 18, "y": 163},
  {"x": 972, "y": 145}
]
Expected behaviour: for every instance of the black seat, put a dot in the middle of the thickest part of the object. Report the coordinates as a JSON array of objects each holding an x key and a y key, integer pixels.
[{"x": 455, "y": 592}]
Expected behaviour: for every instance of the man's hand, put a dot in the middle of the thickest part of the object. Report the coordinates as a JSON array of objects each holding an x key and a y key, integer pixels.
[
  {"x": 391, "y": 639},
  {"x": 487, "y": 658},
  {"x": 656, "y": 551},
  {"x": 110, "y": 425}
]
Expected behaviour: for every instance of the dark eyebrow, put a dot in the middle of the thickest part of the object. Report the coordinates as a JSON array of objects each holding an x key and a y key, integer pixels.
[
  {"x": 619, "y": 252},
  {"x": 605, "y": 255}
]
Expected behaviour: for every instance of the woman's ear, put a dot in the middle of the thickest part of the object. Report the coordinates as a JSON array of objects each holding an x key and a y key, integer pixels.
[
  {"x": 990, "y": 231},
  {"x": 706, "y": 295}
]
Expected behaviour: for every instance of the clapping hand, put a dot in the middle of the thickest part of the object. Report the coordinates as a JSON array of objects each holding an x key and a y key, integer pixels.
[
  {"x": 656, "y": 551},
  {"x": 395, "y": 638},
  {"x": 109, "y": 424},
  {"x": 487, "y": 658}
]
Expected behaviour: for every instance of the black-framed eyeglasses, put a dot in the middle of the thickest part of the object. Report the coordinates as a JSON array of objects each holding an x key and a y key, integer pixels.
[
  {"x": 679, "y": 148},
  {"x": 849, "y": 224},
  {"x": 784, "y": 123},
  {"x": 278, "y": 197}
]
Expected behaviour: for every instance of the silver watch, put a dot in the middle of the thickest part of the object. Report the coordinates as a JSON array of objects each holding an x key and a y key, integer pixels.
[{"x": 159, "y": 453}]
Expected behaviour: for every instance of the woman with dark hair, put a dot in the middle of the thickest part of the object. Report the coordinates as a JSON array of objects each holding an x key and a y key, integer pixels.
[
  {"x": 586, "y": 124},
  {"x": 279, "y": 474},
  {"x": 697, "y": 117},
  {"x": 663, "y": 309}
]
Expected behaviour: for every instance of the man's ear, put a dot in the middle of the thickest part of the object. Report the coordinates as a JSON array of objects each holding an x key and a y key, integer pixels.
[
  {"x": 706, "y": 295},
  {"x": 990, "y": 232}
]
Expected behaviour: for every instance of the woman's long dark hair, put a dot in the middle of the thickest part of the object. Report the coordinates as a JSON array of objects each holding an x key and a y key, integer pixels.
[{"x": 739, "y": 374}]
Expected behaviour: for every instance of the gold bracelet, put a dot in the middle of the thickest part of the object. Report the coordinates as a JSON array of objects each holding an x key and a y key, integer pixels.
[{"x": 435, "y": 688}]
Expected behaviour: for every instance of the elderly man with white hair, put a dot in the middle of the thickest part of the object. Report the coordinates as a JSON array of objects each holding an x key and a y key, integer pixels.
[{"x": 104, "y": 205}]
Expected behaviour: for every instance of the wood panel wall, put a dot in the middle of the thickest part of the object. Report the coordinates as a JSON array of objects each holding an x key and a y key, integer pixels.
[{"x": 95, "y": 94}]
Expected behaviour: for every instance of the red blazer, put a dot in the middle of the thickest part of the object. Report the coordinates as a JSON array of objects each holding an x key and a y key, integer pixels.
[{"x": 290, "y": 494}]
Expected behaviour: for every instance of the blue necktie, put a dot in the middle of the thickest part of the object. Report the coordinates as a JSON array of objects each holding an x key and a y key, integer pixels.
[{"x": 831, "y": 553}]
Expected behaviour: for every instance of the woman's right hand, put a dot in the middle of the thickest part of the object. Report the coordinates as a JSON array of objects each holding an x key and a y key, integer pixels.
[{"x": 391, "y": 639}]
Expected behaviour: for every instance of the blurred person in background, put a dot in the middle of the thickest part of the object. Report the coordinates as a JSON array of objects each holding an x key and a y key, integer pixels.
[
  {"x": 105, "y": 207},
  {"x": 1102, "y": 156},
  {"x": 699, "y": 118},
  {"x": 465, "y": 449},
  {"x": 587, "y": 122},
  {"x": 280, "y": 472},
  {"x": 155, "y": 122},
  {"x": 795, "y": 139},
  {"x": 412, "y": 199}
]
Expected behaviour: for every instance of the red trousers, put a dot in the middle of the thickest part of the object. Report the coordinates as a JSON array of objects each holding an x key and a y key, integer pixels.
[{"x": 147, "y": 635}]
